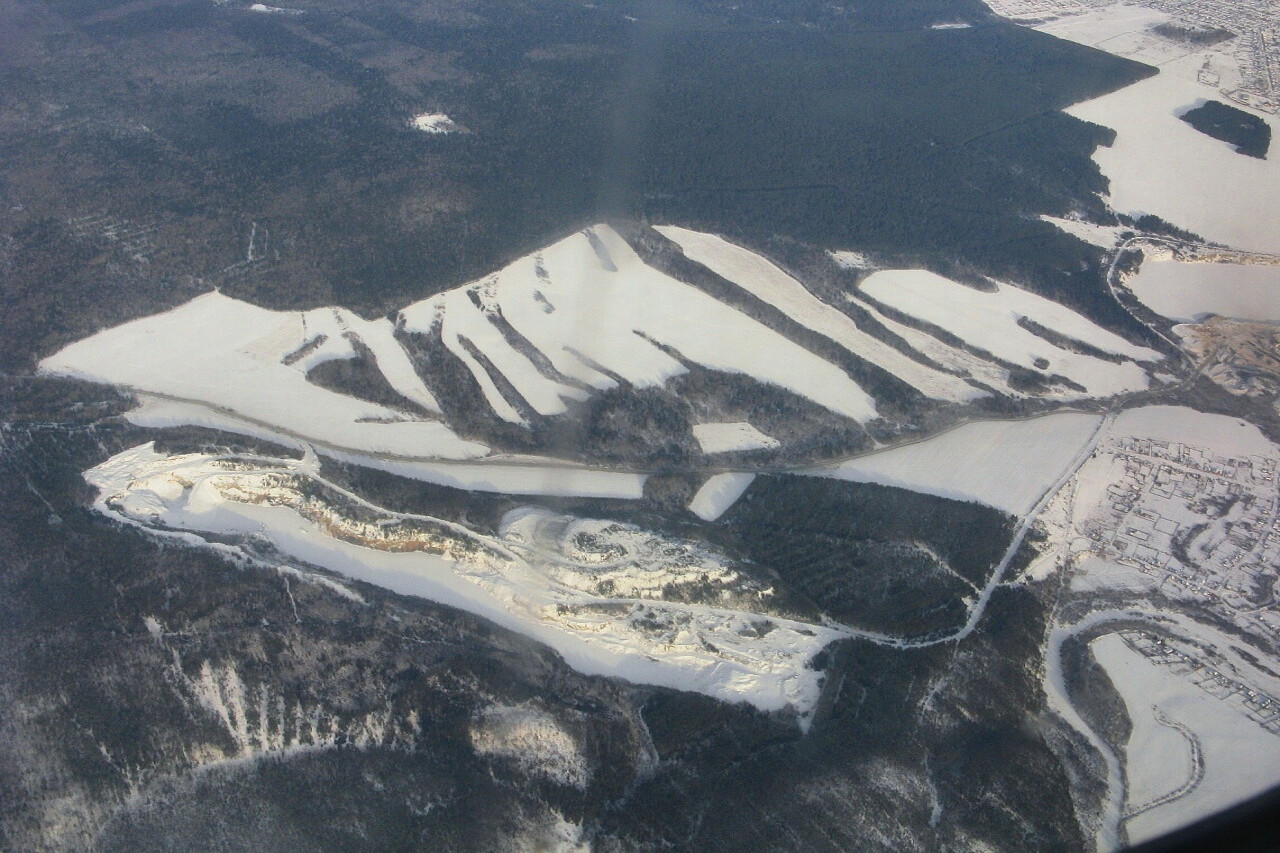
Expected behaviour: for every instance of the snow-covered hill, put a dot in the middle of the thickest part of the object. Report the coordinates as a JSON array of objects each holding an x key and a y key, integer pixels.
[{"x": 586, "y": 316}]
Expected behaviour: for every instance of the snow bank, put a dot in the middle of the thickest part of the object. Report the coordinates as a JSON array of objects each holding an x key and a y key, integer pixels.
[
  {"x": 1004, "y": 464},
  {"x": 230, "y": 357},
  {"x": 718, "y": 494},
  {"x": 1187, "y": 292},
  {"x": 762, "y": 279},
  {"x": 724, "y": 437},
  {"x": 989, "y": 321},
  {"x": 596, "y": 311}
]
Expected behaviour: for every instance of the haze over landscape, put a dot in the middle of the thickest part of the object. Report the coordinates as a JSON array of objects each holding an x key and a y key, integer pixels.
[{"x": 462, "y": 425}]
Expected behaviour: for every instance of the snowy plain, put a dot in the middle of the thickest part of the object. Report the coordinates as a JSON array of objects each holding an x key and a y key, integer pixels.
[
  {"x": 234, "y": 358},
  {"x": 1160, "y": 164},
  {"x": 718, "y": 493}
]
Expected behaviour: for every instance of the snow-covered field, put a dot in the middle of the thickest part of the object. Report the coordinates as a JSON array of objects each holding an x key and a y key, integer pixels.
[
  {"x": 724, "y": 437},
  {"x": 989, "y": 320},
  {"x": 718, "y": 494},
  {"x": 1239, "y": 757},
  {"x": 273, "y": 10},
  {"x": 764, "y": 280},
  {"x": 1004, "y": 464},
  {"x": 1187, "y": 292},
  {"x": 250, "y": 364},
  {"x": 594, "y": 310},
  {"x": 551, "y": 577}
]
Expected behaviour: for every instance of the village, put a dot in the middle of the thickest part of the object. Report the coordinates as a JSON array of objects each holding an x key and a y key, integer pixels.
[
  {"x": 1197, "y": 522},
  {"x": 1214, "y": 677},
  {"x": 1249, "y": 30}
]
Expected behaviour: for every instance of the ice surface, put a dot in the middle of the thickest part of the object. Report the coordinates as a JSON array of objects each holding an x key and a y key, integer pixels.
[
  {"x": 1160, "y": 164},
  {"x": 1004, "y": 464},
  {"x": 1188, "y": 291}
]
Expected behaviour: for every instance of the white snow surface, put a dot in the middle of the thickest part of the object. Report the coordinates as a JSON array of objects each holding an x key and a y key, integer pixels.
[
  {"x": 1189, "y": 291},
  {"x": 987, "y": 372},
  {"x": 989, "y": 321},
  {"x": 724, "y": 437},
  {"x": 718, "y": 493},
  {"x": 273, "y": 10},
  {"x": 1240, "y": 757},
  {"x": 1004, "y": 464},
  {"x": 764, "y": 280},
  {"x": 229, "y": 356},
  {"x": 433, "y": 123},
  {"x": 595, "y": 310},
  {"x": 160, "y": 413},
  {"x": 528, "y": 579}
]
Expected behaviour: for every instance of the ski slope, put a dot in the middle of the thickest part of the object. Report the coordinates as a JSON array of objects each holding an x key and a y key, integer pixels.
[
  {"x": 764, "y": 280},
  {"x": 251, "y": 363},
  {"x": 595, "y": 311},
  {"x": 989, "y": 321}
]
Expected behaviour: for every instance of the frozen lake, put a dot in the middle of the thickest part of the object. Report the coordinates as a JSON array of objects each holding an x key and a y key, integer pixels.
[{"x": 1186, "y": 292}]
